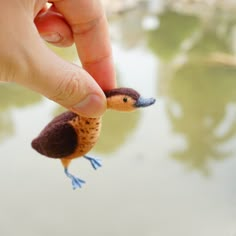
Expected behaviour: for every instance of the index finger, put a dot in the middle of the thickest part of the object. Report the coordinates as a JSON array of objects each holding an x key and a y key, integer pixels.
[{"x": 89, "y": 25}]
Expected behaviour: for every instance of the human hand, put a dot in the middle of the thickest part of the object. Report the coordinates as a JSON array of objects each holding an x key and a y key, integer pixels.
[{"x": 26, "y": 60}]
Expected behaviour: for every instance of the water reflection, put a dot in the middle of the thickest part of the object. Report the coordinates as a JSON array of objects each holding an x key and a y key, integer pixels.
[
  {"x": 68, "y": 54},
  {"x": 203, "y": 93},
  {"x": 117, "y": 127},
  {"x": 199, "y": 89},
  {"x": 12, "y": 96},
  {"x": 166, "y": 40},
  {"x": 6, "y": 125}
]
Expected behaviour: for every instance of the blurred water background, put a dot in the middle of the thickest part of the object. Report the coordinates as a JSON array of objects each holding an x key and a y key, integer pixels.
[{"x": 167, "y": 170}]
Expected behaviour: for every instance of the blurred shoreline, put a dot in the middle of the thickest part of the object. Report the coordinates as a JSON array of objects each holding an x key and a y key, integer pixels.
[{"x": 188, "y": 6}]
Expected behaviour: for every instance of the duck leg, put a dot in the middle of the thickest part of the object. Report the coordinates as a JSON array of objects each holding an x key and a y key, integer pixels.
[
  {"x": 76, "y": 182},
  {"x": 96, "y": 163}
]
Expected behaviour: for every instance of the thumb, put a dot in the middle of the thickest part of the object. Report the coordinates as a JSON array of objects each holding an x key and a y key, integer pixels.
[{"x": 63, "y": 82}]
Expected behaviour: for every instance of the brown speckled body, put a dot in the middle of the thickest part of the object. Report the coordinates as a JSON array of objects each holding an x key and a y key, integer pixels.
[
  {"x": 68, "y": 136},
  {"x": 88, "y": 131}
]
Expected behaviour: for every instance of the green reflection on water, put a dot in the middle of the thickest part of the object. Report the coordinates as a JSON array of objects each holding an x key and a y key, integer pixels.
[
  {"x": 116, "y": 129},
  {"x": 68, "y": 54},
  {"x": 6, "y": 126},
  {"x": 58, "y": 110},
  {"x": 11, "y": 96},
  {"x": 201, "y": 87},
  {"x": 203, "y": 93},
  {"x": 166, "y": 40},
  {"x": 209, "y": 42}
]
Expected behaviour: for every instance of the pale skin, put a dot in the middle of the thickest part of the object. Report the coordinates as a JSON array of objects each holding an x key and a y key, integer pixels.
[{"x": 25, "y": 59}]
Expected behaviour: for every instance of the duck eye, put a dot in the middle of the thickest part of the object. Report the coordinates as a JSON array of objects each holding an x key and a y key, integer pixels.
[{"x": 125, "y": 99}]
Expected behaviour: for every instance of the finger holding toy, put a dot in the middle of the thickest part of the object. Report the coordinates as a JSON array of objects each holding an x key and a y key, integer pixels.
[{"x": 26, "y": 60}]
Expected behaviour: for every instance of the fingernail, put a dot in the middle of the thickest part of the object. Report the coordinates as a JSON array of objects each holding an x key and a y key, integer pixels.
[
  {"x": 52, "y": 37},
  {"x": 92, "y": 106}
]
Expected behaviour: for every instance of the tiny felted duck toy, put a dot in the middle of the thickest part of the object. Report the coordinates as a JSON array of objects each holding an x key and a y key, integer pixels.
[{"x": 70, "y": 135}]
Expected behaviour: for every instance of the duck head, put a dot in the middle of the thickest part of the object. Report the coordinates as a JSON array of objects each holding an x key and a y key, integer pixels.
[{"x": 126, "y": 99}]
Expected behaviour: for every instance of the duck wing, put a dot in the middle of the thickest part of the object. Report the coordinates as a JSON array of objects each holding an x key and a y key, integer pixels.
[{"x": 58, "y": 139}]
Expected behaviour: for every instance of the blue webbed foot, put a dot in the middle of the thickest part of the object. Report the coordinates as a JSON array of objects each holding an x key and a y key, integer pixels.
[
  {"x": 96, "y": 163},
  {"x": 76, "y": 182}
]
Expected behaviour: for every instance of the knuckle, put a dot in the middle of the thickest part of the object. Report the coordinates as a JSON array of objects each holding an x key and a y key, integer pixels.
[
  {"x": 67, "y": 90},
  {"x": 83, "y": 28}
]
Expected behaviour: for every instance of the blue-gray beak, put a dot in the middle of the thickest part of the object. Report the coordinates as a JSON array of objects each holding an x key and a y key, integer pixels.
[{"x": 144, "y": 102}]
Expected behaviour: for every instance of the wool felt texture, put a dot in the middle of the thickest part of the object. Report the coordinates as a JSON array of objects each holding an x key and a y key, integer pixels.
[
  {"x": 67, "y": 136},
  {"x": 123, "y": 91},
  {"x": 58, "y": 139}
]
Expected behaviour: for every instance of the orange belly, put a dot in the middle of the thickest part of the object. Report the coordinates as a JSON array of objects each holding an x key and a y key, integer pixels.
[{"x": 88, "y": 131}]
